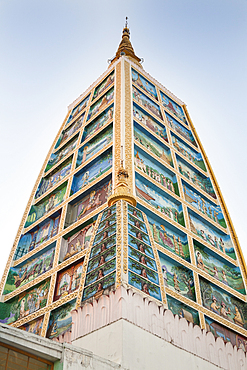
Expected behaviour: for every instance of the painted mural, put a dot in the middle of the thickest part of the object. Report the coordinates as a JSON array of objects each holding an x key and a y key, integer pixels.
[
  {"x": 220, "y": 331},
  {"x": 173, "y": 107},
  {"x": 220, "y": 269},
  {"x": 143, "y": 271},
  {"x": 140, "y": 253},
  {"x": 60, "y": 320},
  {"x": 100, "y": 104},
  {"x": 95, "y": 145},
  {"x": 91, "y": 172},
  {"x": 102, "y": 120},
  {"x": 133, "y": 221},
  {"x": 177, "y": 277},
  {"x": 144, "y": 285},
  {"x": 144, "y": 84},
  {"x": 41, "y": 233},
  {"x": 30, "y": 269},
  {"x": 103, "y": 246},
  {"x": 135, "y": 212},
  {"x": 68, "y": 280},
  {"x": 109, "y": 80},
  {"x": 210, "y": 234},
  {"x": 182, "y": 310},
  {"x": 191, "y": 154},
  {"x": 155, "y": 170},
  {"x": 149, "y": 122},
  {"x": 66, "y": 134},
  {"x": 104, "y": 254},
  {"x": 223, "y": 304},
  {"x": 34, "y": 327},
  {"x": 79, "y": 108},
  {"x": 52, "y": 179},
  {"x": 203, "y": 205},
  {"x": 152, "y": 144},
  {"x": 101, "y": 271},
  {"x": 76, "y": 242},
  {"x": 108, "y": 222},
  {"x": 90, "y": 202},
  {"x": 46, "y": 205},
  {"x": 168, "y": 236},
  {"x": 147, "y": 103},
  {"x": 25, "y": 303},
  {"x": 100, "y": 287},
  {"x": 61, "y": 154},
  {"x": 196, "y": 177},
  {"x": 180, "y": 129},
  {"x": 158, "y": 199}
]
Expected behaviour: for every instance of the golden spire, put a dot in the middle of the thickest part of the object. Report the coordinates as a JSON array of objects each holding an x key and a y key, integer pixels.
[{"x": 125, "y": 47}]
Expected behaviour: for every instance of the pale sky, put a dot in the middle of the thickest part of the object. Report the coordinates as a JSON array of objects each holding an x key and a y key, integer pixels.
[{"x": 52, "y": 51}]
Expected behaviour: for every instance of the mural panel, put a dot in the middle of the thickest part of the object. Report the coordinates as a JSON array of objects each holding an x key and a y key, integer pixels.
[
  {"x": 182, "y": 310},
  {"x": 203, "y": 204},
  {"x": 180, "y": 129},
  {"x": 30, "y": 269},
  {"x": 34, "y": 326},
  {"x": 94, "y": 126},
  {"x": 191, "y": 154},
  {"x": 101, "y": 247},
  {"x": 168, "y": 236},
  {"x": 99, "y": 288},
  {"x": 40, "y": 234},
  {"x": 159, "y": 199},
  {"x": 223, "y": 304},
  {"x": 52, "y": 179},
  {"x": 139, "y": 225},
  {"x": 155, "y": 170},
  {"x": 103, "y": 270},
  {"x": 144, "y": 84},
  {"x": 61, "y": 154},
  {"x": 76, "y": 242},
  {"x": 177, "y": 277},
  {"x": 152, "y": 144},
  {"x": 100, "y": 104},
  {"x": 211, "y": 234},
  {"x": 147, "y": 120},
  {"x": 141, "y": 269},
  {"x": 79, "y": 108},
  {"x": 135, "y": 212},
  {"x": 25, "y": 303},
  {"x": 109, "y": 80},
  {"x": 46, "y": 205},
  {"x": 94, "y": 146},
  {"x": 91, "y": 172},
  {"x": 144, "y": 285},
  {"x": 60, "y": 320},
  {"x": 68, "y": 280},
  {"x": 66, "y": 134},
  {"x": 88, "y": 202},
  {"x": 147, "y": 103},
  {"x": 220, "y": 269},
  {"x": 173, "y": 107},
  {"x": 197, "y": 178},
  {"x": 220, "y": 331},
  {"x": 105, "y": 253},
  {"x": 140, "y": 253}
]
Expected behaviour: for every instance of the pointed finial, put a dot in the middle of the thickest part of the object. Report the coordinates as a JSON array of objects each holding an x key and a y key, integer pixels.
[{"x": 126, "y": 22}]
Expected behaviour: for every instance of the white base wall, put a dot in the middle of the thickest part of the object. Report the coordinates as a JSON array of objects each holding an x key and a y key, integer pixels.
[{"x": 134, "y": 348}]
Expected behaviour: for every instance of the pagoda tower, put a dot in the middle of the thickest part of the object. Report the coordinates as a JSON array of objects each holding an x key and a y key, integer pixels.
[{"x": 126, "y": 241}]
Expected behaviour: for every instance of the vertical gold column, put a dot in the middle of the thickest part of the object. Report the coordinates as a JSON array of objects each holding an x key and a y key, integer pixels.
[
  {"x": 119, "y": 244},
  {"x": 117, "y": 125},
  {"x": 128, "y": 126}
]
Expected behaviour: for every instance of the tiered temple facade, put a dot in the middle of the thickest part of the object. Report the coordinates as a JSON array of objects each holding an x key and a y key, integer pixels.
[{"x": 126, "y": 209}]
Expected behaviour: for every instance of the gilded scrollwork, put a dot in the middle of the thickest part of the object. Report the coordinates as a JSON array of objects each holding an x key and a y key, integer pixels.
[
  {"x": 117, "y": 124},
  {"x": 119, "y": 243},
  {"x": 128, "y": 125},
  {"x": 45, "y": 324},
  {"x": 125, "y": 238}
]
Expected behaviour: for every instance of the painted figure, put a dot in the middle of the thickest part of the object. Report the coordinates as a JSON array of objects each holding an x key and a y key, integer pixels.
[{"x": 214, "y": 306}]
